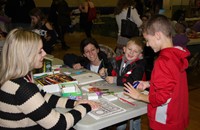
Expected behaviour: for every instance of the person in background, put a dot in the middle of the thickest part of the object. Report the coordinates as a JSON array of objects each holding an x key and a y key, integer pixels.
[
  {"x": 85, "y": 24},
  {"x": 18, "y": 11},
  {"x": 168, "y": 96},
  {"x": 60, "y": 17},
  {"x": 22, "y": 103},
  {"x": 180, "y": 38},
  {"x": 93, "y": 59},
  {"x": 120, "y": 13},
  {"x": 42, "y": 26},
  {"x": 4, "y": 19},
  {"x": 128, "y": 67},
  {"x": 2, "y": 40}
]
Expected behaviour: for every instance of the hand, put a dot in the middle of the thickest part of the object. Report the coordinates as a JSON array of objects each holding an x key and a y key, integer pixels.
[
  {"x": 143, "y": 85},
  {"x": 110, "y": 79},
  {"x": 77, "y": 66},
  {"x": 132, "y": 92},
  {"x": 94, "y": 105},
  {"x": 103, "y": 73}
]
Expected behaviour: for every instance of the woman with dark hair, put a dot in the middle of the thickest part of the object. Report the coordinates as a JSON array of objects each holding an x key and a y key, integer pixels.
[
  {"x": 93, "y": 59},
  {"x": 42, "y": 26},
  {"x": 120, "y": 13}
]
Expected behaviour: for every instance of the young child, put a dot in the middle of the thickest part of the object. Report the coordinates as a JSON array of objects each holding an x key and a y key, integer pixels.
[
  {"x": 129, "y": 67},
  {"x": 168, "y": 96}
]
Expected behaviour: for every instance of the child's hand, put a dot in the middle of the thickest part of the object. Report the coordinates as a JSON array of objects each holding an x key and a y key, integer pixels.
[
  {"x": 110, "y": 79},
  {"x": 77, "y": 66},
  {"x": 143, "y": 85},
  {"x": 131, "y": 91}
]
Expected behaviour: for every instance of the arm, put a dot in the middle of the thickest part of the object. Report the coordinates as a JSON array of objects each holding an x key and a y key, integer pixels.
[
  {"x": 34, "y": 106},
  {"x": 136, "y": 18}
]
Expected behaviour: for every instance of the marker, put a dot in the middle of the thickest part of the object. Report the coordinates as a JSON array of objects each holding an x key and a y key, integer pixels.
[
  {"x": 135, "y": 84},
  {"x": 124, "y": 100}
]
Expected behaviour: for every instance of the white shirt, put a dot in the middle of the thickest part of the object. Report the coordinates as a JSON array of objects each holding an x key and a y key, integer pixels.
[
  {"x": 94, "y": 68},
  {"x": 134, "y": 16}
]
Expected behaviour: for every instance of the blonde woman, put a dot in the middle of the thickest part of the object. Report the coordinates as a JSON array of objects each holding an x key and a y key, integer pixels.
[{"x": 23, "y": 106}]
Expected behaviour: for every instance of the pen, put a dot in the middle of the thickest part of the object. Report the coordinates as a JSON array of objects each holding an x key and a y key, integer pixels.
[
  {"x": 124, "y": 100},
  {"x": 135, "y": 84}
]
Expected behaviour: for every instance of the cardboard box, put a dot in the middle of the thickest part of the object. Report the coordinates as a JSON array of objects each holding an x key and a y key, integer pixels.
[
  {"x": 58, "y": 83},
  {"x": 70, "y": 90}
]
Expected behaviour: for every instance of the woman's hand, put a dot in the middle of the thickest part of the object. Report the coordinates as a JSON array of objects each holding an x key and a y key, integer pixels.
[
  {"x": 110, "y": 79},
  {"x": 77, "y": 66},
  {"x": 103, "y": 73},
  {"x": 94, "y": 105}
]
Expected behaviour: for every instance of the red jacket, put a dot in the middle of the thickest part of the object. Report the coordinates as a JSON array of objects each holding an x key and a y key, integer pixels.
[{"x": 168, "y": 96}]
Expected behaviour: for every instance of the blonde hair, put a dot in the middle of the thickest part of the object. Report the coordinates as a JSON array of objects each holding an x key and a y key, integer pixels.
[
  {"x": 18, "y": 55},
  {"x": 139, "y": 41}
]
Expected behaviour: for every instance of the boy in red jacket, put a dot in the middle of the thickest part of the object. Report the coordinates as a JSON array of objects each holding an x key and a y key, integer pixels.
[{"x": 168, "y": 96}]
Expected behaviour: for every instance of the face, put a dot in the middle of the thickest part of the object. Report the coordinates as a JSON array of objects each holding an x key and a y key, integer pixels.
[
  {"x": 34, "y": 20},
  {"x": 91, "y": 52},
  {"x": 132, "y": 51},
  {"x": 39, "y": 57},
  {"x": 152, "y": 41}
]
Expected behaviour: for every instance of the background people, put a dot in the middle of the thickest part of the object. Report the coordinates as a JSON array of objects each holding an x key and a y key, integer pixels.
[
  {"x": 22, "y": 103},
  {"x": 60, "y": 17},
  {"x": 84, "y": 23},
  {"x": 18, "y": 11},
  {"x": 120, "y": 13},
  {"x": 42, "y": 26}
]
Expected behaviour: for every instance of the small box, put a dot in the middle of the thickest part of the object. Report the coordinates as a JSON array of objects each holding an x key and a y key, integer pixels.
[
  {"x": 70, "y": 90},
  {"x": 92, "y": 96}
]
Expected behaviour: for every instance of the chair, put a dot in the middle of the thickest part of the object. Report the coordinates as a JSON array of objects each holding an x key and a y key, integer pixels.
[{"x": 107, "y": 50}]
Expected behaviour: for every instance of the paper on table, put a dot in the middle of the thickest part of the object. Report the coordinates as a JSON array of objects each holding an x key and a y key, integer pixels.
[{"x": 87, "y": 78}]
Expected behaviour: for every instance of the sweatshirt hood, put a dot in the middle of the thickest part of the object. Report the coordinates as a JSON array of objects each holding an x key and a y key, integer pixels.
[{"x": 177, "y": 54}]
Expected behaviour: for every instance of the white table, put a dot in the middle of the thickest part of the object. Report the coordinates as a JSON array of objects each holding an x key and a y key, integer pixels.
[{"x": 89, "y": 123}]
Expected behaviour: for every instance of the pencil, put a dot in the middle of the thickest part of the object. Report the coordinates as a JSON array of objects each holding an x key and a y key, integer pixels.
[{"x": 124, "y": 100}]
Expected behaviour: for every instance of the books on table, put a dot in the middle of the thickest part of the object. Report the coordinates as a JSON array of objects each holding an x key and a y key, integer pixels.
[{"x": 87, "y": 78}]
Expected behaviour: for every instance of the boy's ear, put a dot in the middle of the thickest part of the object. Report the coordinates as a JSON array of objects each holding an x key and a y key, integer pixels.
[
  {"x": 158, "y": 35},
  {"x": 84, "y": 55}
]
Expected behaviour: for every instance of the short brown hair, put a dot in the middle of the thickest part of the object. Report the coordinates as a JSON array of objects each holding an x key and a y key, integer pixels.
[
  {"x": 138, "y": 41},
  {"x": 158, "y": 23}
]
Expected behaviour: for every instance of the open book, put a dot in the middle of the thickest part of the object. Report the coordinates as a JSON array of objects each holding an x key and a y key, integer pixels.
[{"x": 87, "y": 78}]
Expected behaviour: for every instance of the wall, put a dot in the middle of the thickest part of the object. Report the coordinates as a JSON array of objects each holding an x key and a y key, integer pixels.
[{"x": 75, "y": 3}]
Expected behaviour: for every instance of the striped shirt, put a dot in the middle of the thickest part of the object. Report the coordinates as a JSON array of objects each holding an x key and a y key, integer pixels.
[{"x": 24, "y": 107}]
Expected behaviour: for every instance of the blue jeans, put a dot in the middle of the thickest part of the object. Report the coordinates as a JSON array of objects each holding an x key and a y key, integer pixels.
[{"x": 134, "y": 124}]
